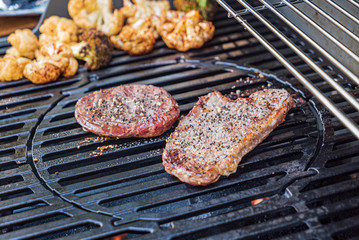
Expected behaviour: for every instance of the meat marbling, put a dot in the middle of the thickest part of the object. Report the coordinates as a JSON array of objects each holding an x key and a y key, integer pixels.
[
  {"x": 127, "y": 111},
  {"x": 212, "y": 139}
]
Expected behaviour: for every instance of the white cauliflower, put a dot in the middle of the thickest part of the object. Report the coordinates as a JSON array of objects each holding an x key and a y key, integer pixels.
[
  {"x": 139, "y": 36},
  {"x": 53, "y": 59},
  {"x": 40, "y": 72},
  {"x": 25, "y": 42},
  {"x": 136, "y": 39},
  {"x": 96, "y": 14},
  {"x": 60, "y": 55},
  {"x": 11, "y": 67},
  {"x": 13, "y": 52},
  {"x": 58, "y": 29},
  {"x": 143, "y": 9},
  {"x": 71, "y": 68},
  {"x": 189, "y": 32},
  {"x": 168, "y": 21}
]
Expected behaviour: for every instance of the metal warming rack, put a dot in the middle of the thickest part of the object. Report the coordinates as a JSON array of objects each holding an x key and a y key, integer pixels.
[{"x": 332, "y": 28}]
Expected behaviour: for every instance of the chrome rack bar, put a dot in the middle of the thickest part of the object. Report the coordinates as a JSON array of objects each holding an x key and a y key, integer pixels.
[
  {"x": 350, "y": 98},
  {"x": 332, "y": 20},
  {"x": 342, "y": 10},
  {"x": 333, "y": 60},
  {"x": 263, "y": 7},
  {"x": 323, "y": 31},
  {"x": 354, "y": 3},
  {"x": 352, "y": 127}
]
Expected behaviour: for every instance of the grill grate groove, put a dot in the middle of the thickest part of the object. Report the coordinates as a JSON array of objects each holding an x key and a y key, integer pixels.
[
  {"x": 22, "y": 208},
  {"x": 66, "y": 231},
  {"x": 15, "y": 194},
  {"x": 33, "y": 222},
  {"x": 239, "y": 224}
]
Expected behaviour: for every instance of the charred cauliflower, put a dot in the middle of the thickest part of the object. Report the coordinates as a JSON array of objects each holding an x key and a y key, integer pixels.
[
  {"x": 96, "y": 14},
  {"x": 168, "y": 21},
  {"x": 61, "y": 56},
  {"x": 189, "y": 32},
  {"x": 52, "y": 60},
  {"x": 25, "y": 42},
  {"x": 139, "y": 36},
  {"x": 11, "y": 67},
  {"x": 40, "y": 72},
  {"x": 136, "y": 39},
  {"x": 13, "y": 52},
  {"x": 58, "y": 29},
  {"x": 143, "y": 8},
  {"x": 95, "y": 48}
]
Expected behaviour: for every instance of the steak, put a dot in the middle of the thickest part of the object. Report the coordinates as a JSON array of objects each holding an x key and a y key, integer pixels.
[
  {"x": 212, "y": 139},
  {"x": 127, "y": 111}
]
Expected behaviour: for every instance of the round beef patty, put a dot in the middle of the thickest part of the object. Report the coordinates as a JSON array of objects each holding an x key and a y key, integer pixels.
[{"x": 127, "y": 111}]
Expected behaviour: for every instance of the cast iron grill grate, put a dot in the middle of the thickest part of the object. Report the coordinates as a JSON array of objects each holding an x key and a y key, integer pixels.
[
  {"x": 125, "y": 178},
  {"x": 51, "y": 189}
]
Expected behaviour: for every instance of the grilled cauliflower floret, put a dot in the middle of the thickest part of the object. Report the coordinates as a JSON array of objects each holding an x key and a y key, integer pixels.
[
  {"x": 96, "y": 14},
  {"x": 21, "y": 62},
  {"x": 190, "y": 32},
  {"x": 167, "y": 21},
  {"x": 53, "y": 60},
  {"x": 11, "y": 67},
  {"x": 143, "y": 9},
  {"x": 139, "y": 35},
  {"x": 95, "y": 48},
  {"x": 12, "y": 51},
  {"x": 41, "y": 72},
  {"x": 61, "y": 56},
  {"x": 71, "y": 68},
  {"x": 25, "y": 41},
  {"x": 58, "y": 29},
  {"x": 136, "y": 39}
]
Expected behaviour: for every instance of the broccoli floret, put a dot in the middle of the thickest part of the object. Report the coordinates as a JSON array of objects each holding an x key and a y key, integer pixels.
[{"x": 95, "y": 48}]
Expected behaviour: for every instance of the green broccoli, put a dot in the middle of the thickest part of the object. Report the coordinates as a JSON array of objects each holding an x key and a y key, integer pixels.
[{"x": 95, "y": 48}]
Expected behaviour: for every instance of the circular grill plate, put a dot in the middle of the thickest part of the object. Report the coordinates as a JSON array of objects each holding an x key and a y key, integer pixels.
[{"x": 125, "y": 177}]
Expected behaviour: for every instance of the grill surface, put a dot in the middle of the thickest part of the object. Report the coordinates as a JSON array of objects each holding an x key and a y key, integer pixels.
[
  {"x": 55, "y": 182},
  {"x": 127, "y": 176}
]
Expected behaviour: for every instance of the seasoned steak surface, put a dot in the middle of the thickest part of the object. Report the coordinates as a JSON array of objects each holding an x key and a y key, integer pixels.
[
  {"x": 127, "y": 111},
  {"x": 212, "y": 139}
]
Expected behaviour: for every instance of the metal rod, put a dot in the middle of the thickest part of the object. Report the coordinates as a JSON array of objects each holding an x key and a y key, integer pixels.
[
  {"x": 352, "y": 127},
  {"x": 261, "y": 8},
  {"x": 333, "y": 60},
  {"x": 332, "y": 20},
  {"x": 350, "y": 98},
  {"x": 342, "y": 10},
  {"x": 323, "y": 31},
  {"x": 354, "y": 3}
]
